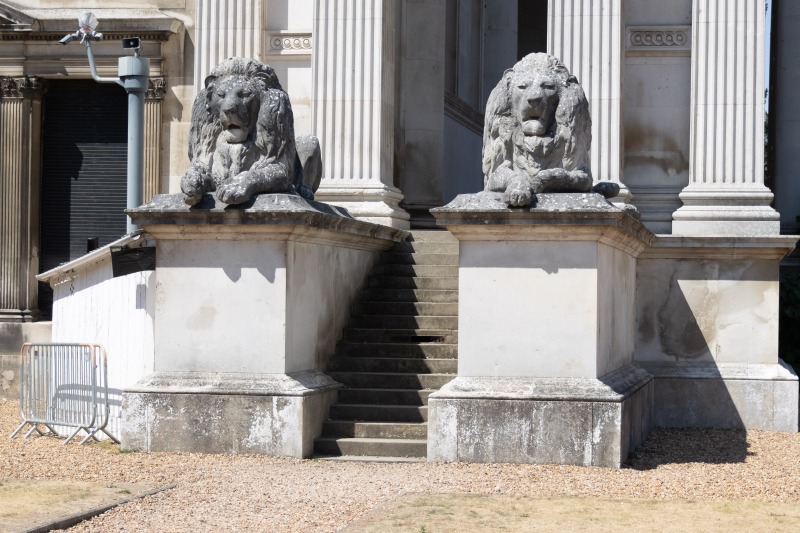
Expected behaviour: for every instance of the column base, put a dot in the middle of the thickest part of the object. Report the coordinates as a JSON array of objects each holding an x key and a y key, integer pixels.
[
  {"x": 270, "y": 414},
  {"x": 731, "y": 212},
  {"x": 572, "y": 421},
  {"x": 378, "y": 206},
  {"x": 12, "y": 336},
  {"x": 725, "y": 395}
]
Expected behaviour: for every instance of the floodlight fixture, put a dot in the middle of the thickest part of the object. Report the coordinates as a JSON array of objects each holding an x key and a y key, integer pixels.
[{"x": 87, "y": 22}]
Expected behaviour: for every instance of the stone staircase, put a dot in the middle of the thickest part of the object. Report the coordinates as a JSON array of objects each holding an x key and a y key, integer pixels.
[{"x": 399, "y": 347}]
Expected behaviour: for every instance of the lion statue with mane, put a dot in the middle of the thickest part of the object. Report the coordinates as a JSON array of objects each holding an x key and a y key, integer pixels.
[
  {"x": 538, "y": 133},
  {"x": 241, "y": 141}
]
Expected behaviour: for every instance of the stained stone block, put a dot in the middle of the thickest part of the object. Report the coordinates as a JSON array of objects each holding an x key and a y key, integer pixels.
[
  {"x": 227, "y": 413},
  {"x": 725, "y": 396},
  {"x": 576, "y": 421}
]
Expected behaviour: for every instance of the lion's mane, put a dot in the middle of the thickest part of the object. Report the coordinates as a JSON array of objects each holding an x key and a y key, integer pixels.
[
  {"x": 274, "y": 140},
  {"x": 567, "y": 141}
]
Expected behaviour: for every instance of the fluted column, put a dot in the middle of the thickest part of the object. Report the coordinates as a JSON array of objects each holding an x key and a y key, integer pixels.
[
  {"x": 20, "y": 138},
  {"x": 726, "y": 193},
  {"x": 353, "y": 107},
  {"x": 587, "y": 36},
  {"x": 230, "y": 28},
  {"x": 153, "y": 99}
]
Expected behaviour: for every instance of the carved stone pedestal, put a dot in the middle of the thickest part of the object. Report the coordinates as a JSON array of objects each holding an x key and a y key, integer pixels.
[
  {"x": 546, "y": 334},
  {"x": 249, "y": 303}
]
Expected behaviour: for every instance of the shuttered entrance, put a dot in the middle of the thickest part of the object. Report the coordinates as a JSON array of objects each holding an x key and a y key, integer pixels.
[{"x": 84, "y": 166}]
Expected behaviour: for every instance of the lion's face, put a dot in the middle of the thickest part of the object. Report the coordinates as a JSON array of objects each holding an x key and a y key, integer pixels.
[
  {"x": 534, "y": 100},
  {"x": 237, "y": 101}
]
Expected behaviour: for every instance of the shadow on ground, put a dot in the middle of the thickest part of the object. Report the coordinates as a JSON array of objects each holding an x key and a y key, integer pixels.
[{"x": 681, "y": 446}]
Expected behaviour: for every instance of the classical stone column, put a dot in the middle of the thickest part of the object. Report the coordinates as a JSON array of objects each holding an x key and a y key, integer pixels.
[
  {"x": 353, "y": 107},
  {"x": 226, "y": 29},
  {"x": 20, "y": 138},
  {"x": 153, "y": 98},
  {"x": 587, "y": 36},
  {"x": 726, "y": 193}
]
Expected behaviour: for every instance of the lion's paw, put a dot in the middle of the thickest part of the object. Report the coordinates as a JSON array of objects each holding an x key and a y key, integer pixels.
[
  {"x": 233, "y": 192},
  {"x": 518, "y": 197},
  {"x": 193, "y": 186}
]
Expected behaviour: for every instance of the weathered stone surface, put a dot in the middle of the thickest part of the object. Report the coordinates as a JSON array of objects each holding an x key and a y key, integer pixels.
[
  {"x": 546, "y": 210},
  {"x": 538, "y": 133},
  {"x": 265, "y": 210},
  {"x": 541, "y": 420},
  {"x": 12, "y": 336},
  {"x": 729, "y": 396},
  {"x": 227, "y": 413},
  {"x": 241, "y": 142},
  {"x": 709, "y": 299}
]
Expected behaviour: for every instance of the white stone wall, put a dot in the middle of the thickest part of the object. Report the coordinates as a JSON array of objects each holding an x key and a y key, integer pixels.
[{"x": 90, "y": 305}]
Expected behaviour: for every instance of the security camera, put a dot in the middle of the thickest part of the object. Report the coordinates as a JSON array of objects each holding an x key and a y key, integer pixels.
[
  {"x": 132, "y": 43},
  {"x": 68, "y": 38}
]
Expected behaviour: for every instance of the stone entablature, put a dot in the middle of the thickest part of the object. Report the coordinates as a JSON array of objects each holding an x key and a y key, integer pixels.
[
  {"x": 290, "y": 43},
  {"x": 660, "y": 40}
]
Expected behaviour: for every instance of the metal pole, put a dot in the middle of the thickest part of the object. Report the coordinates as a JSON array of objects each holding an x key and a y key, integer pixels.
[
  {"x": 134, "y": 71},
  {"x": 135, "y": 152}
]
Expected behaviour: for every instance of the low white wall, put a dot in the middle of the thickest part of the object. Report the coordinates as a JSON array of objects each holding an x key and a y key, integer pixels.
[{"x": 90, "y": 305}]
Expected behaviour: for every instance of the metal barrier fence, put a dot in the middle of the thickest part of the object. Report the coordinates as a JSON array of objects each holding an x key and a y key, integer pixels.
[{"x": 64, "y": 385}]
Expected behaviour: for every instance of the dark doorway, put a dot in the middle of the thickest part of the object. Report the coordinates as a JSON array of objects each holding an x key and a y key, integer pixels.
[
  {"x": 531, "y": 27},
  {"x": 84, "y": 168}
]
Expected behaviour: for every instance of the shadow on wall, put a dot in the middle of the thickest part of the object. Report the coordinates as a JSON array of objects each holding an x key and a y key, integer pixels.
[{"x": 690, "y": 315}]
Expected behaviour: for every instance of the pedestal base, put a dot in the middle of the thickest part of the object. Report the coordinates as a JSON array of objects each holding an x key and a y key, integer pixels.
[
  {"x": 725, "y": 396},
  {"x": 577, "y": 421},
  {"x": 272, "y": 414}
]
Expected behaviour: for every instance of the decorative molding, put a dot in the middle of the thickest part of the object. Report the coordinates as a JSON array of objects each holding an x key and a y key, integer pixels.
[
  {"x": 463, "y": 113},
  {"x": 28, "y": 35},
  {"x": 31, "y": 87},
  {"x": 290, "y": 43},
  {"x": 659, "y": 39},
  {"x": 156, "y": 89}
]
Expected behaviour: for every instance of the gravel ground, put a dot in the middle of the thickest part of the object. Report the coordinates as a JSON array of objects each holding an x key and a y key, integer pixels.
[{"x": 256, "y": 493}]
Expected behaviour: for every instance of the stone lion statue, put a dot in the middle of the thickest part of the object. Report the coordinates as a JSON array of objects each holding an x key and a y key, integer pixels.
[
  {"x": 241, "y": 141},
  {"x": 538, "y": 133}
]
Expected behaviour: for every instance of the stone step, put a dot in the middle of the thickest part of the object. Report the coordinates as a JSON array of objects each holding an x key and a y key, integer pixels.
[
  {"x": 408, "y": 282},
  {"x": 432, "y": 236},
  {"x": 371, "y": 447},
  {"x": 409, "y": 295},
  {"x": 422, "y": 271},
  {"x": 384, "y": 396},
  {"x": 425, "y": 247},
  {"x": 379, "y": 413},
  {"x": 406, "y": 308},
  {"x": 393, "y": 364},
  {"x": 404, "y": 322},
  {"x": 403, "y": 335},
  {"x": 383, "y": 380},
  {"x": 375, "y": 430},
  {"x": 395, "y": 258},
  {"x": 397, "y": 349}
]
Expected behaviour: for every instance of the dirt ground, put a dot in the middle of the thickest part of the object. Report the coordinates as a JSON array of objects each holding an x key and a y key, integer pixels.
[
  {"x": 26, "y": 504},
  {"x": 428, "y": 513},
  {"x": 678, "y": 479}
]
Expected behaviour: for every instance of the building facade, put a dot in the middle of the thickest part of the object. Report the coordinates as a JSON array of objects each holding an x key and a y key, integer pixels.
[{"x": 395, "y": 90}]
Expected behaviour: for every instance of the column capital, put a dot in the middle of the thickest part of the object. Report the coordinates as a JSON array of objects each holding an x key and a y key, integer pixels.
[
  {"x": 28, "y": 87},
  {"x": 156, "y": 89}
]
